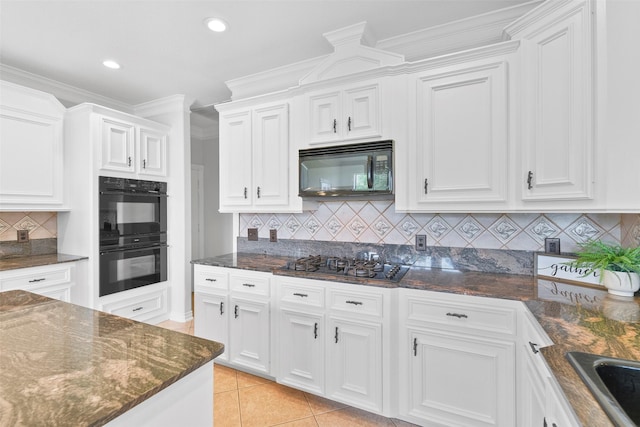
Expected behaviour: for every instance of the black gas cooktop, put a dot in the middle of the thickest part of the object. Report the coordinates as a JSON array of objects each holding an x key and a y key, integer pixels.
[{"x": 373, "y": 267}]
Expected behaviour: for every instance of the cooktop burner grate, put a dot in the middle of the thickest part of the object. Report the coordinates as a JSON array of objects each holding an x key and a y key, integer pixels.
[{"x": 374, "y": 268}]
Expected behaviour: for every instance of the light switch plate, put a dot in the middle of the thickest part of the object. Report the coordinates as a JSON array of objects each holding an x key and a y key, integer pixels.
[
  {"x": 421, "y": 242},
  {"x": 273, "y": 235},
  {"x": 252, "y": 234}
]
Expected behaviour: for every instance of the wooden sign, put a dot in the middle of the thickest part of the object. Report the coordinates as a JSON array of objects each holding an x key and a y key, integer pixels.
[{"x": 557, "y": 267}]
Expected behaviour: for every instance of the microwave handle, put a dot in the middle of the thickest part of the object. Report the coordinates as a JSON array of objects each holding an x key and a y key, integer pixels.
[{"x": 370, "y": 172}]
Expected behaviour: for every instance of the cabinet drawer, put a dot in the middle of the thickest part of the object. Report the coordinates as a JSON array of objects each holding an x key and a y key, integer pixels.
[
  {"x": 210, "y": 277},
  {"x": 299, "y": 294},
  {"x": 141, "y": 307},
  {"x": 356, "y": 302},
  {"x": 464, "y": 315},
  {"x": 255, "y": 284},
  {"x": 36, "y": 277}
]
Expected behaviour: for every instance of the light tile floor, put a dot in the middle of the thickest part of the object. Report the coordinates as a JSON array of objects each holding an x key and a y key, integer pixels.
[{"x": 245, "y": 400}]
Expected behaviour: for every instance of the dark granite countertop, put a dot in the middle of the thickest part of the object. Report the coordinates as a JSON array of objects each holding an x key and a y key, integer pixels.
[
  {"x": 37, "y": 260},
  {"x": 575, "y": 318},
  {"x": 63, "y": 364}
]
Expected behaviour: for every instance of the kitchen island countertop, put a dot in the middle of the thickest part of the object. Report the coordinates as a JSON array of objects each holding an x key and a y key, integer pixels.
[
  {"x": 65, "y": 364},
  {"x": 606, "y": 325}
]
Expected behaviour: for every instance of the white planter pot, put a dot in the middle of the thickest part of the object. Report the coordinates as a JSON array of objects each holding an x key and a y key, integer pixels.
[{"x": 620, "y": 283}]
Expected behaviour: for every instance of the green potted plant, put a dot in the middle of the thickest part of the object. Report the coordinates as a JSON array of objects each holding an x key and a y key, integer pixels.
[{"x": 618, "y": 267}]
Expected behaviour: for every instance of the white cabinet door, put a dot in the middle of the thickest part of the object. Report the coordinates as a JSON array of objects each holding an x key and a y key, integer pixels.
[
  {"x": 250, "y": 334},
  {"x": 235, "y": 159},
  {"x": 324, "y": 111},
  {"x": 270, "y": 157},
  {"x": 117, "y": 145},
  {"x": 354, "y": 363},
  {"x": 361, "y": 109},
  {"x": 301, "y": 350},
  {"x": 152, "y": 159},
  {"x": 211, "y": 319},
  {"x": 557, "y": 100},
  {"x": 461, "y": 136},
  {"x": 31, "y": 149},
  {"x": 532, "y": 401},
  {"x": 461, "y": 380},
  {"x": 344, "y": 113}
]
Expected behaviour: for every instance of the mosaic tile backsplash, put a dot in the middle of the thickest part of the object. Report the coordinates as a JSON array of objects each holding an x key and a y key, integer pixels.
[
  {"x": 377, "y": 222},
  {"x": 43, "y": 233}
]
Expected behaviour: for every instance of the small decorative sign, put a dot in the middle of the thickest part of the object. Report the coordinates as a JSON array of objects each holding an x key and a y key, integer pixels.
[{"x": 557, "y": 267}]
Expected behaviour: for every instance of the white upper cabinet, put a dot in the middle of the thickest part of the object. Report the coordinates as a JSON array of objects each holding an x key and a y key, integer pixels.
[
  {"x": 254, "y": 159},
  {"x": 31, "y": 150},
  {"x": 557, "y": 102},
  {"x": 131, "y": 148},
  {"x": 344, "y": 114},
  {"x": 457, "y": 156}
]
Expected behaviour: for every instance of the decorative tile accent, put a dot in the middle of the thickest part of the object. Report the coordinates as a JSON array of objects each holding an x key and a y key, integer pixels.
[
  {"x": 584, "y": 229},
  {"x": 381, "y": 226},
  {"x": 292, "y": 224},
  {"x": 3, "y": 226},
  {"x": 408, "y": 227},
  {"x": 356, "y": 227},
  {"x": 26, "y": 223},
  {"x": 541, "y": 229},
  {"x": 255, "y": 222},
  {"x": 333, "y": 225},
  {"x": 377, "y": 222},
  {"x": 504, "y": 229},
  {"x": 469, "y": 228},
  {"x": 273, "y": 223},
  {"x": 312, "y": 225}
]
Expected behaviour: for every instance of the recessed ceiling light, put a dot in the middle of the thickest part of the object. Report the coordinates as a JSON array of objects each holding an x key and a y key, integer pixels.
[
  {"x": 111, "y": 64},
  {"x": 216, "y": 24}
]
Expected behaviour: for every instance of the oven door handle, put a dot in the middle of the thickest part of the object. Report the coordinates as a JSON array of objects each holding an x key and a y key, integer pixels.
[
  {"x": 133, "y": 193},
  {"x": 136, "y": 248}
]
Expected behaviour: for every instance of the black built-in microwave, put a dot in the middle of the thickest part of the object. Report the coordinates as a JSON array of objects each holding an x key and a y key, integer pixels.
[{"x": 362, "y": 170}]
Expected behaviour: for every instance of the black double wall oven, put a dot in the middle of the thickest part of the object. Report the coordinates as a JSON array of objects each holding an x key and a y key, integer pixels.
[{"x": 133, "y": 233}]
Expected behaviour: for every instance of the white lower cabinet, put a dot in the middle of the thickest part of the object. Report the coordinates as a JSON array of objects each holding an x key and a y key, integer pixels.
[
  {"x": 53, "y": 281},
  {"x": 232, "y": 306},
  {"x": 354, "y": 363},
  {"x": 212, "y": 319},
  {"x": 330, "y": 341},
  {"x": 541, "y": 401},
  {"x": 301, "y": 351},
  {"x": 457, "y": 360}
]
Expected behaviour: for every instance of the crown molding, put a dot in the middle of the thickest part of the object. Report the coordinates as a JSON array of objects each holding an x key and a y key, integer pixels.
[
  {"x": 464, "y": 34},
  {"x": 68, "y": 95},
  {"x": 272, "y": 80},
  {"x": 168, "y": 104}
]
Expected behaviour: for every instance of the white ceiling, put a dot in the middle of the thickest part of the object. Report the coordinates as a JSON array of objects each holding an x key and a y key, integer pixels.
[{"x": 165, "y": 49}]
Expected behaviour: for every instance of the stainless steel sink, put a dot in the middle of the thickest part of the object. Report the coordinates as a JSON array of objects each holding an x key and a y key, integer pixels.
[{"x": 615, "y": 383}]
